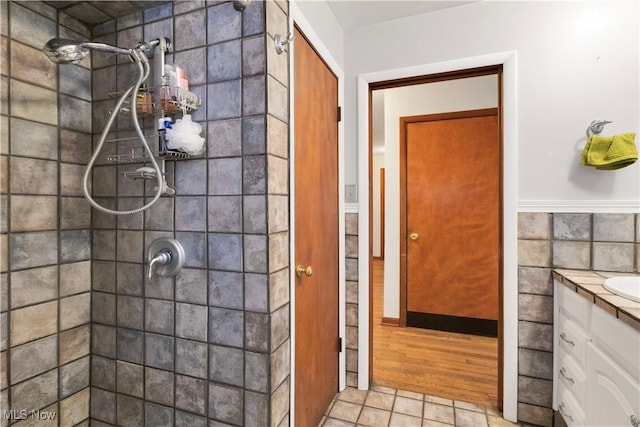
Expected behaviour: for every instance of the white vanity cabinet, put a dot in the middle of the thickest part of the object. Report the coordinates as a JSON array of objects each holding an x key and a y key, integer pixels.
[
  {"x": 596, "y": 364},
  {"x": 613, "y": 396}
]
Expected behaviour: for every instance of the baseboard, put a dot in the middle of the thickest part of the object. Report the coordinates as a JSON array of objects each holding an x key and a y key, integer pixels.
[
  {"x": 390, "y": 321},
  {"x": 463, "y": 325}
]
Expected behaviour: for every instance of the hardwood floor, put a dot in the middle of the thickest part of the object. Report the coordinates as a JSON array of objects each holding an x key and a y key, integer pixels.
[{"x": 455, "y": 366}]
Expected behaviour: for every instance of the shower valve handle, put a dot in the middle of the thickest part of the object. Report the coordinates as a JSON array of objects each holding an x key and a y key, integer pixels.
[
  {"x": 166, "y": 257},
  {"x": 163, "y": 258}
]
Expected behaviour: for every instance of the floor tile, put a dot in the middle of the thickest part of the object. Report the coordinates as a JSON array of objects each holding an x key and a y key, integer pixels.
[
  {"x": 345, "y": 411},
  {"x": 380, "y": 400},
  {"x": 498, "y": 421},
  {"x": 432, "y": 423},
  {"x": 388, "y": 407},
  {"x": 374, "y": 417},
  {"x": 436, "y": 412},
  {"x": 469, "y": 406},
  {"x": 353, "y": 395},
  {"x": 407, "y": 406},
  {"x": 330, "y": 406},
  {"x": 402, "y": 420},
  {"x": 466, "y": 418},
  {"x": 383, "y": 389},
  {"x": 410, "y": 394},
  {"x": 332, "y": 422},
  {"x": 438, "y": 400}
]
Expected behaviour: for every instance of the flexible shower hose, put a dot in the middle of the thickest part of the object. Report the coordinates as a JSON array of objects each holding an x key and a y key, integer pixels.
[{"x": 143, "y": 67}]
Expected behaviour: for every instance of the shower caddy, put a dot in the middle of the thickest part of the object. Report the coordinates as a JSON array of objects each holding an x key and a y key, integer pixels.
[{"x": 166, "y": 100}]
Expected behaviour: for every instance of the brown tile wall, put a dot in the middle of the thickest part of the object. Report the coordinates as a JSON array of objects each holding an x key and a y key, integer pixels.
[
  {"x": 45, "y": 278},
  {"x": 606, "y": 242}
]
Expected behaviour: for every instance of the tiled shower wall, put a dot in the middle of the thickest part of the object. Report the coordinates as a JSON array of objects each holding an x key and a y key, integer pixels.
[
  {"x": 604, "y": 242},
  {"x": 212, "y": 344},
  {"x": 45, "y": 240}
]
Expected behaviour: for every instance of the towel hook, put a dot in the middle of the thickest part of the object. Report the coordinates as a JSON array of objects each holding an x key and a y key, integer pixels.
[
  {"x": 596, "y": 127},
  {"x": 281, "y": 45}
]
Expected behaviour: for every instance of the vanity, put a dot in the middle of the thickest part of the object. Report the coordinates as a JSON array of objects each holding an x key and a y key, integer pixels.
[{"x": 596, "y": 352}]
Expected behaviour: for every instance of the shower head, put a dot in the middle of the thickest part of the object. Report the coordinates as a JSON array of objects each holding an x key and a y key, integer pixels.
[
  {"x": 241, "y": 5},
  {"x": 64, "y": 51}
]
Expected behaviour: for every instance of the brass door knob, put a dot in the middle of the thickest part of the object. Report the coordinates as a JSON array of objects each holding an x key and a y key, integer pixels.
[
  {"x": 414, "y": 236},
  {"x": 301, "y": 269}
]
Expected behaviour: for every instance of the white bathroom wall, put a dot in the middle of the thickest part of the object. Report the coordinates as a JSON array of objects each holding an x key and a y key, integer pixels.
[
  {"x": 577, "y": 62},
  {"x": 377, "y": 163},
  {"x": 324, "y": 24},
  {"x": 454, "y": 95}
]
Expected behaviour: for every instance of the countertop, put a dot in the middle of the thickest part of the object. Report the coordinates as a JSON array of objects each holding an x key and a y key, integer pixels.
[{"x": 590, "y": 285}]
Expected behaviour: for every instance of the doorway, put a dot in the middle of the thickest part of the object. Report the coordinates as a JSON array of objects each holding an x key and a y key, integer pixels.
[{"x": 481, "y": 355}]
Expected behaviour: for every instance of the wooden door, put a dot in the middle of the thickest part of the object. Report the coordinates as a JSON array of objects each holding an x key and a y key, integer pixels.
[
  {"x": 316, "y": 233},
  {"x": 453, "y": 223}
]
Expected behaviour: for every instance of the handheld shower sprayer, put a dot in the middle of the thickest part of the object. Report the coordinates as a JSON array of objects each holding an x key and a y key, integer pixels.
[{"x": 64, "y": 51}]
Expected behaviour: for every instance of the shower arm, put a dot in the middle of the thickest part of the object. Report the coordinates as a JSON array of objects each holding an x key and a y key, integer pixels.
[{"x": 106, "y": 48}]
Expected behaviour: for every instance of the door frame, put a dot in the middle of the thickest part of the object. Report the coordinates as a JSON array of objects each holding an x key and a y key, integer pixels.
[
  {"x": 382, "y": 207},
  {"x": 509, "y": 127},
  {"x": 296, "y": 17}
]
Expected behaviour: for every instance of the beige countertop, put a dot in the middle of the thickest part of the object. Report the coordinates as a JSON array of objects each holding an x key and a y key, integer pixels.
[{"x": 590, "y": 285}]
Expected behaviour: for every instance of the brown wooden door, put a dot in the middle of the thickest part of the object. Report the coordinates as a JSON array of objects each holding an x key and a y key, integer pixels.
[
  {"x": 452, "y": 190},
  {"x": 316, "y": 233}
]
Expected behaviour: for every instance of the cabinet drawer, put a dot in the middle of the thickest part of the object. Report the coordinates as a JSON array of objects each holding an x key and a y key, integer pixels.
[
  {"x": 618, "y": 339},
  {"x": 569, "y": 408},
  {"x": 572, "y": 339},
  {"x": 573, "y": 306},
  {"x": 572, "y": 375}
]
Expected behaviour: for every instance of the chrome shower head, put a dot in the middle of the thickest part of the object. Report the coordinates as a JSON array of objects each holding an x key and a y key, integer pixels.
[
  {"x": 64, "y": 51},
  {"x": 241, "y": 5}
]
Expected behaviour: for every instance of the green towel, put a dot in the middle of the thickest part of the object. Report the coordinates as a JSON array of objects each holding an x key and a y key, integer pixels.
[{"x": 610, "y": 152}]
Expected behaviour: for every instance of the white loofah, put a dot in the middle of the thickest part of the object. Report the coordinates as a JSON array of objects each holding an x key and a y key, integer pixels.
[{"x": 185, "y": 136}]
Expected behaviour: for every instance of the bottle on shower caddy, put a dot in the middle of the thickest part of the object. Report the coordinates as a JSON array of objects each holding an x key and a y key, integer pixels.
[
  {"x": 164, "y": 124},
  {"x": 144, "y": 104},
  {"x": 175, "y": 79}
]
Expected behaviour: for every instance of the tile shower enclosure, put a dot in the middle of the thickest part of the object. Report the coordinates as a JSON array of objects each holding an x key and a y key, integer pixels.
[{"x": 84, "y": 334}]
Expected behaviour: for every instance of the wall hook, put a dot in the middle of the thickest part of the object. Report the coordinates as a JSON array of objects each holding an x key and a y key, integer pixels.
[
  {"x": 596, "y": 127},
  {"x": 282, "y": 45}
]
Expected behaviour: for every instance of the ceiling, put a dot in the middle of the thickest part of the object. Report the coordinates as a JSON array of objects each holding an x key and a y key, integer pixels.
[
  {"x": 349, "y": 13},
  {"x": 93, "y": 13},
  {"x": 352, "y": 13}
]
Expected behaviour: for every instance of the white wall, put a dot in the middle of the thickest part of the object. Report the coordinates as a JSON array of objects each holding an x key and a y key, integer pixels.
[
  {"x": 378, "y": 163},
  {"x": 320, "y": 17},
  {"x": 577, "y": 62},
  {"x": 455, "y": 95}
]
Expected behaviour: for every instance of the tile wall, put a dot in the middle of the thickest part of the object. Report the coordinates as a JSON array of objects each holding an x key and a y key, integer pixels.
[
  {"x": 45, "y": 280},
  {"x": 351, "y": 275},
  {"x": 212, "y": 344},
  {"x": 605, "y": 242}
]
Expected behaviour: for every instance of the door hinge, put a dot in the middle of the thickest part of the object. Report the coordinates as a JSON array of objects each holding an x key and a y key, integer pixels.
[
  {"x": 339, "y": 344},
  {"x": 339, "y": 113}
]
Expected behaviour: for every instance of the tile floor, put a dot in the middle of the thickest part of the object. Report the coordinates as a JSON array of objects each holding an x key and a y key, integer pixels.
[{"x": 388, "y": 407}]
